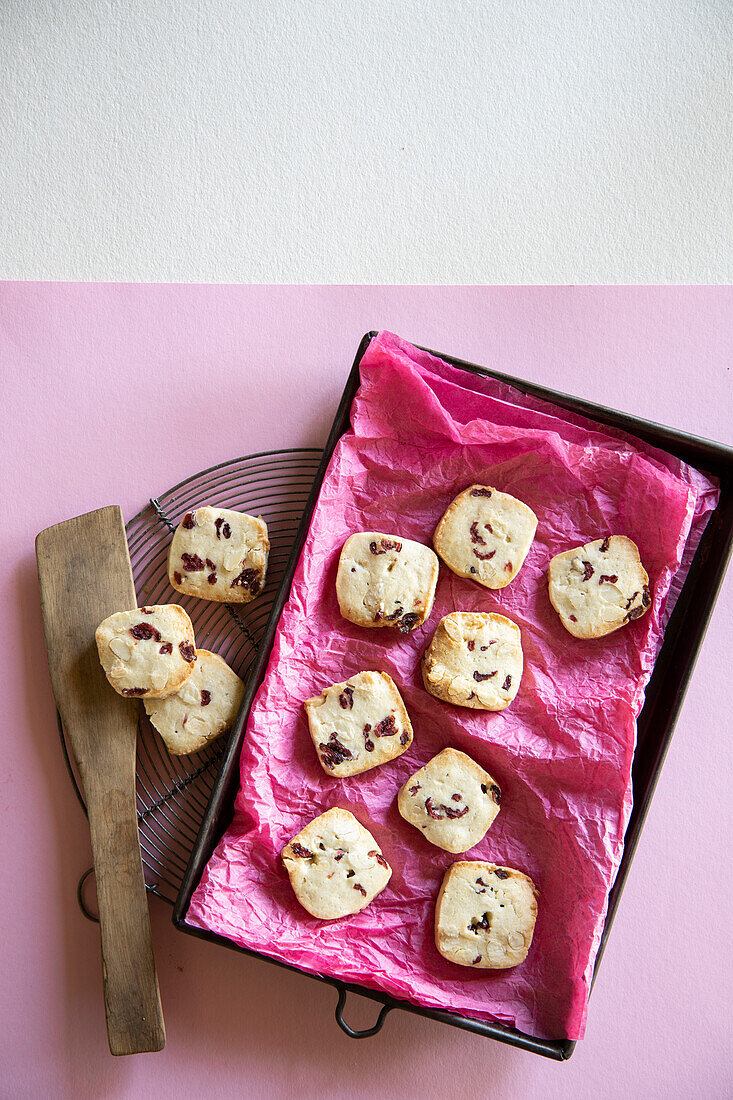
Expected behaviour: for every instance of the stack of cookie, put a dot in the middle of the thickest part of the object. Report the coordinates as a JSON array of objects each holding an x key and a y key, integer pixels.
[
  {"x": 191, "y": 696},
  {"x": 485, "y": 913}
]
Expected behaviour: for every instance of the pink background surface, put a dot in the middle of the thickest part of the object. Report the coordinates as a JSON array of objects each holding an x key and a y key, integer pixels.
[{"x": 114, "y": 393}]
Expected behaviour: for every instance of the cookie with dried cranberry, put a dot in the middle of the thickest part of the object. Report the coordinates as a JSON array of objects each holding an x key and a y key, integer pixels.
[
  {"x": 220, "y": 555},
  {"x": 452, "y": 801},
  {"x": 149, "y": 651},
  {"x": 203, "y": 709},
  {"x": 485, "y": 915},
  {"x": 385, "y": 580},
  {"x": 599, "y": 587},
  {"x": 358, "y": 724},
  {"x": 485, "y": 535},
  {"x": 335, "y": 865},
  {"x": 474, "y": 660}
]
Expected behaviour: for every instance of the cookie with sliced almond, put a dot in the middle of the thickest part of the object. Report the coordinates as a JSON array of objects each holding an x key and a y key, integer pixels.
[
  {"x": 474, "y": 660},
  {"x": 485, "y": 915},
  {"x": 219, "y": 554},
  {"x": 335, "y": 865},
  {"x": 147, "y": 652},
  {"x": 358, "y": 724},
  {"x": 600, "y": 587},
  {"x": 203, "y": 709}
]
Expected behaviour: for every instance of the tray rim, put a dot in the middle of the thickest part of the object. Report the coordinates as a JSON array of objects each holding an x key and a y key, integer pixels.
[{"x": 714, "y": 458}]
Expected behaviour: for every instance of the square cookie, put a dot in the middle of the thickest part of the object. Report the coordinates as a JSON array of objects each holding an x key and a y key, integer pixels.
[
  {"x": 485, "y": 535},
  {"x": 148, "y": 651},
  {"x": 485, "y": 915},
  {"x": 474, "y": 660},
  {"x": 599, "y": 587},
  {"x": 220, "y": 555},
  {"x": 335, "y": 866},
  {"x": 452, "y": 801},
  {"x": 385, "y": 580},
  {"x": 202, "y": 710},
  {"x": 358, "y": 724}
]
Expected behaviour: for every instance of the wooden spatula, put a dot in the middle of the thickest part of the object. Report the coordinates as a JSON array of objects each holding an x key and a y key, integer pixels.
[{"x": 85, "y": 575}]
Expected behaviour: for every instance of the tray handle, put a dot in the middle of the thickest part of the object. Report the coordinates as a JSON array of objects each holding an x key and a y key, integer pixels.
[{"x": 350, "y": 1031}]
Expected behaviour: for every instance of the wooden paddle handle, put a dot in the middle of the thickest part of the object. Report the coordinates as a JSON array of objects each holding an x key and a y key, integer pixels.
[{"x": 131, "y": 995}]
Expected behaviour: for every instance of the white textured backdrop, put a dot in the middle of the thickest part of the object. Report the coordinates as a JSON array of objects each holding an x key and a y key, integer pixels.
[{"x": 344, "y": 141}]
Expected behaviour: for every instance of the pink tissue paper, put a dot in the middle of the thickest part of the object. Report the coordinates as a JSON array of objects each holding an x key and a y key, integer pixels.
[{"x": 421, "y": 431}]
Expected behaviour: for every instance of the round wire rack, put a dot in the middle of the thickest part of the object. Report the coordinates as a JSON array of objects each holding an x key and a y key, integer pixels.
[{"x": 173, "y": 791}]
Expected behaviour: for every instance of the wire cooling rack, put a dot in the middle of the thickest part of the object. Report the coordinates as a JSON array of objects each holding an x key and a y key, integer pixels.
[{"x": 173, "y": 791}]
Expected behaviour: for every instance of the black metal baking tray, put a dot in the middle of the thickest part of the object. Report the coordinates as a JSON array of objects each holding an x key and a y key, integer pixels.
[{"x": 664, "y": 694}]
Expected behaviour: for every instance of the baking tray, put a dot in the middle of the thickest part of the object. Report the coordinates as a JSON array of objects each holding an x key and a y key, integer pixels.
[{"x": 663, "y": 698}]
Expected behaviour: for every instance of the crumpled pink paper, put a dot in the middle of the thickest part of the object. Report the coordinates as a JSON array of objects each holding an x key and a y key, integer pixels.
[{"x": 421, "y": 432}]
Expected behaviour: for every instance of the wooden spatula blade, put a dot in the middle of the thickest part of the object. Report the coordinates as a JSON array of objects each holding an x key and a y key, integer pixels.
[{"x": 85, "y": 575}]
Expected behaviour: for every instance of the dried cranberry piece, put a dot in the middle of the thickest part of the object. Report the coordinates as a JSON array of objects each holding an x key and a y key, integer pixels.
[
  {"x": 247, "y": 579},
  {"x": 476, "y": 925},
  {"x": 489, "y": 528},
  {"x": 368, "y": 743},
  {"x": 485, "y": 647},
  {"x": 379, "y": 858},
  {"x": 134, "y": 691},
  {"x": 604, "y": 545},
  {"x": 346, "y": 698},
  {"x": 357, "y": 886},
  {"x": 192, "y": 563},
  {"x": 645, "y": 597},
  {"x": 508, "y": 567},
  {"x": 177, "y": 578},
  {"x": 339, "y": 854},
  {"x": 333, "y": 752},
  {"x": 299, "y": 850},
  {"x": 414, "y": 789},
  {"x": 188, "y": 521},
  {"x": 588, "y": 570},
  {"x": 395, "y": 615},
  {"x": 475, "y": 537},
  {"x": 144, "y": 632},
  {"x": 471, "y": 645},
  {"x": 386, "y": 728},
  {"x": 167, "y": 647},
  {"x": 205, "y": 698},
  {"x": 608, "y": 579},
  {"x": 480, "y": 882},
  {"x": 481, "y": 492},
  {"x": 476, "y": 960},
  {"x": 222, "y": 528},
  {"x": 479, "y": 676},
  {"x": 484, "y": 557},
  {"x": 407, "y": 622},
  {"x": 431, "y": 810},
  {"x": 210, "y": 564},
  {"x": 495, "y": 793},
  {"x": 472, "y": 569},
  {"x": 634, "y": 613},
  {"x": 631, "y": 599},
  {"x": 507, "y": 684},
  {"x": 187, "y": 651},
  {"x": 350, "y": 874},
  {"x": 147, "y": 610},
  {"x": 384, "y": 545},
  {"x": 211, "y": 578},
  {"x": 404, "y": 737},
  {"x": 453, "y": 814},
  {"x": 456, "y": 798},
  {"x": 572, "y": 618},
  {"x": 501, "y": 873}
]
